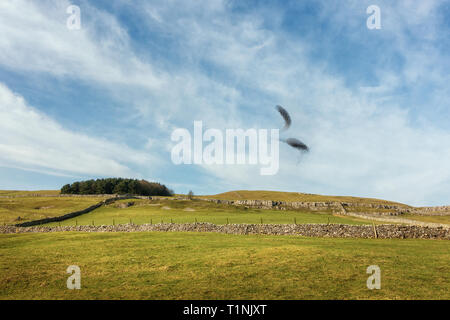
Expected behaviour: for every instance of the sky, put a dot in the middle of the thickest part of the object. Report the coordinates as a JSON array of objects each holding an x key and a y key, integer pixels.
[{"x": 103, "y": 101}]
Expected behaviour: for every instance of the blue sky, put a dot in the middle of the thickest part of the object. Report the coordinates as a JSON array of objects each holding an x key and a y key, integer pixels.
[{"x": 373, "y": 105}]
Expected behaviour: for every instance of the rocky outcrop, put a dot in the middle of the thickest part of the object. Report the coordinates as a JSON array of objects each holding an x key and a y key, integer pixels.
[
  {"x": 308, "y": 230},
  {"x": 430, "y": 211},
  {"x": 279, "y": 205},
  {"x": 340, "y": 207},
  {"x": 337, "y": 207}
]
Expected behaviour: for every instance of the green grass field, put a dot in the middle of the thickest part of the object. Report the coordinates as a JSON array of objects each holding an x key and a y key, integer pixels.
[
  {"x": 435, "y": 219},
  {"x": 28, "y": 193},
  {"x": 176, "y": 265},
  {"x": 144, "y": 211},
  {"x": 35, "y": 208},
  {"x": 28, "y": 207},
  {"x": 152, "y": 265}
]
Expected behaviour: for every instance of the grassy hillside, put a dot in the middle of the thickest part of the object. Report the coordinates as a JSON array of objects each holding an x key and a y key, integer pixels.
[
  {"x": 28, "y": 193},
  {"x": 144, "y": 211},
  {"x": 28, "y": 207},
  {"x": 434, "y": 219},
  {"x": 292, "y": 196},
  {"x": 218, "y": 266},
  {"x": 35, "y": 208}
]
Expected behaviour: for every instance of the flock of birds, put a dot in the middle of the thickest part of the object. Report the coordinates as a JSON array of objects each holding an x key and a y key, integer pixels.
[{"x": 293, "y": 142}]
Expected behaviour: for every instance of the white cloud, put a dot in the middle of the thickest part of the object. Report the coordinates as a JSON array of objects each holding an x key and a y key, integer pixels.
[
  {"x": 35, "y": 38},
  {"x": 31, "y": 140}
]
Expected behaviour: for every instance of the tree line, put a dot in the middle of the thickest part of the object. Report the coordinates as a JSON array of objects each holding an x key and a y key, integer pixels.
[{"x": 117, "y": 186}]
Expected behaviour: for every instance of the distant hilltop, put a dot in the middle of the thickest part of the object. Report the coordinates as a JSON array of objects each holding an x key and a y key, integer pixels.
[
  {"x": 346, "y": 205},
  {"x": 259, "y": 198},
  {"x": 294, "y": 197}
]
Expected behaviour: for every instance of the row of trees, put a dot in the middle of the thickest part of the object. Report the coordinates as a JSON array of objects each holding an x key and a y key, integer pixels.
[{"x": 117, "y": 186}]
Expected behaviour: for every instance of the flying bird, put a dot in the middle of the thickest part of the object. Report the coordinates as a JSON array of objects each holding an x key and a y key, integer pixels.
[
  {"x": 286, "y": 117},
  {"x": 295, "y": 143}
]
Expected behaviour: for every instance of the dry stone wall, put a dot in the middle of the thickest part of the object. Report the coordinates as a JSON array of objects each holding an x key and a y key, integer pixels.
[{"x": 308, "y": 230}]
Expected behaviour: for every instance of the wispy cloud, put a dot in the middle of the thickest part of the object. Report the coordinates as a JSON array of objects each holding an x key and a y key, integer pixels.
[
  {"x": 33, "y": 141},
  {"x": 35, "y": 39}
]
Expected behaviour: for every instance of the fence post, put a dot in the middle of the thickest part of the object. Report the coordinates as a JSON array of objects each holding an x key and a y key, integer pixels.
[
  {"x": 261, "y": 221},
  {"x": 374, "y": 230},
  {"x": 295, "y": 220},
  {"x": 227, "y": 221}
]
